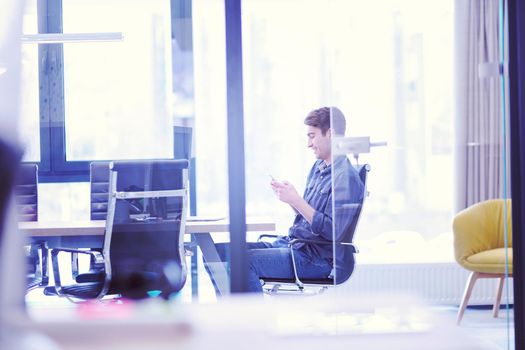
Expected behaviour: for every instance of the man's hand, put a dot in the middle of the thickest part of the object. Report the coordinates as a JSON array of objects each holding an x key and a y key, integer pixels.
[{"x": 286, "y": 192}]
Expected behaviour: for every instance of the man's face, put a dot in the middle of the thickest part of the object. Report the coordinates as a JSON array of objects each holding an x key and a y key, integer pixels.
[{"x": 319, "y": 143}]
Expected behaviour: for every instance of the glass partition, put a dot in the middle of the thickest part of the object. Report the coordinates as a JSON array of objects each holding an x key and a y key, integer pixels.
[
  {"x": 398, "y": 103},
  {"x": 506, "y": 294},
  {"x": 425, "y": 110},
  {"x": 211, "y": 139},
  {"x": 416, "y": 136}
]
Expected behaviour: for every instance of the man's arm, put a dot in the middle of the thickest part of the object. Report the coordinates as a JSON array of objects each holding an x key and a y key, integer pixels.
[{"x": 303, "y": 208}]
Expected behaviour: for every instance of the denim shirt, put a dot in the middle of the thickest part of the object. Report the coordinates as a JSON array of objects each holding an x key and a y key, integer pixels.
[{"x": 318, "y": 194}]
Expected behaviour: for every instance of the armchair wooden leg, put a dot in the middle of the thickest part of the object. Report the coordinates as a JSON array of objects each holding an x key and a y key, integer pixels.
[
  {"x": 499, "y": 290},
  {"x": 466, "y": 295}
]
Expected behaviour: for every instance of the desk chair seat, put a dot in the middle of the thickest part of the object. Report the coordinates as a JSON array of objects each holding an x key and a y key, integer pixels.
[
  {"x": 144, "y": 238},
  {"x": 490, "y": 261},
  {"x": 81, "y": 291}
]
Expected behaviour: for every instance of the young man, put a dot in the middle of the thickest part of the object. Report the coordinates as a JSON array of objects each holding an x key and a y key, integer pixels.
[{"x": 313, "y": 218}]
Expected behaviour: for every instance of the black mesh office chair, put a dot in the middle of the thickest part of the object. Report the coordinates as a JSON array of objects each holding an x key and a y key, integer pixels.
[
  {"x": 26, "y": 198},
  {"x": 144, "y": 239},
  {"x": 98, "y": 210},
  {"x": 345, "y": 249},
  {"x": 99, "y": 188}
]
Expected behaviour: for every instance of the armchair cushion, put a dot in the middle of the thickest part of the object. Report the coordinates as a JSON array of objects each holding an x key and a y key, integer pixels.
[{"x": 489, "y": 261}]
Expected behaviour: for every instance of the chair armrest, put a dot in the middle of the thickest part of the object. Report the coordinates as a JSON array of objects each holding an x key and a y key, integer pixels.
[
  {"x": 315, "y": 241},
  {"x": 266, "y": 235},
  {"x": 298, "y": 282},
  {"x": 97, "y": 256}
]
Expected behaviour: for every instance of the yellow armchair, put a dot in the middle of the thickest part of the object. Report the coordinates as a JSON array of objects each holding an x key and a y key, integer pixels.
[{"x": 479, "y": 246}]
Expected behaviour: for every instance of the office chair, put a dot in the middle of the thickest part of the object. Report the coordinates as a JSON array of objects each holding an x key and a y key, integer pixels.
[
  {"x": 26, "y": 198},
  {"x": 479, "y": 246},
  {"x": 99, "y": 188},
  {"x": 345, "y": 249},
  {"x": 143, "y": 248},
  {"x": 98, "y": 209}
]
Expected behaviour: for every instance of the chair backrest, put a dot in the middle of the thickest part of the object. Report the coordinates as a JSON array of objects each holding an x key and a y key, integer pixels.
[
  {"x": 345, "y": 259},
  {"x": 363, "y": 171},
  {"x": 26, "y": 192},
  {"x": 144, "y": 239},
  {"x": 9, "y": 165},
  {"x": 26, "y": 199},
  {"x": 481, "y": 227},
  {"x": 99, "y": 188}
]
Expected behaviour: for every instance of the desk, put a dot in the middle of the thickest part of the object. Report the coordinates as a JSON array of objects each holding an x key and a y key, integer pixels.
[
  {"x": 90, "y": 233},
  {"x": 96, "y": 227},
  {"x": 337, "y": 321}
]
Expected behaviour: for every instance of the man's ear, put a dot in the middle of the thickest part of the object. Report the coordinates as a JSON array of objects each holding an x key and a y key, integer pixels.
[{"x": 329, "y": 133}]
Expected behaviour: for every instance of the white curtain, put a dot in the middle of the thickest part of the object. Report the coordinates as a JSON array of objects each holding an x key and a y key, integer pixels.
[{"x": 479, "y": 141}]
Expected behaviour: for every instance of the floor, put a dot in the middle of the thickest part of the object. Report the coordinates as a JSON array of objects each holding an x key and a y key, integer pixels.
[{"x": 497, "y": 334}]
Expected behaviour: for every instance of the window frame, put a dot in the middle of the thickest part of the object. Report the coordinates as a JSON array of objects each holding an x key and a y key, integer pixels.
[{"x": 53, "y": 165}]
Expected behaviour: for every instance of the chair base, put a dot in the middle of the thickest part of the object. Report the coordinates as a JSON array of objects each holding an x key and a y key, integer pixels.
[
  {"x": 273, "y": 288},
  {"x": 82, "y": 291},
  {"x": 474, "y": 276},
  {"x": 32, "y": 283}
]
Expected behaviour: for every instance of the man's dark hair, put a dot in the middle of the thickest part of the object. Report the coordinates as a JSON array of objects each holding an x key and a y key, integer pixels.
[{"x": 320, "y": 118}]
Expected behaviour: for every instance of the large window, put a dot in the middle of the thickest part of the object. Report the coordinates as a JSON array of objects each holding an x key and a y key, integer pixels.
[
  {"x": 98, "y": 100},
  {"x": 390, "y": 73},
  {"x": 117, "y": 94}
]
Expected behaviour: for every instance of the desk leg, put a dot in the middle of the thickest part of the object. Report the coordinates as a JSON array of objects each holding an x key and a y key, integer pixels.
[
  {"x": 194, "y": 268},
  {"x": 212, "y": 259}
]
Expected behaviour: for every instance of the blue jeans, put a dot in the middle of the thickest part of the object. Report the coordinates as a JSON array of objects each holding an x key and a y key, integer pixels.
[{"x": 274, "y": 260}]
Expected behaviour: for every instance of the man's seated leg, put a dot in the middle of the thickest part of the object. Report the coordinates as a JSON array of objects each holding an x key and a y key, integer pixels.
[
  {"x": 223, "y": 249},
  {"x": 277, "y": 263}
]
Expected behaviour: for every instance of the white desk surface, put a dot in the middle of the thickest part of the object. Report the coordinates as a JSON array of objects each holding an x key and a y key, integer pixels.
[
  {"x": 96, "y": 227},
  {"x": 334, "y": 321}
]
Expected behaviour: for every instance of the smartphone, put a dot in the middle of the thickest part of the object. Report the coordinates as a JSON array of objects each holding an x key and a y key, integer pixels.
[{"x": 274, "y": 179}]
